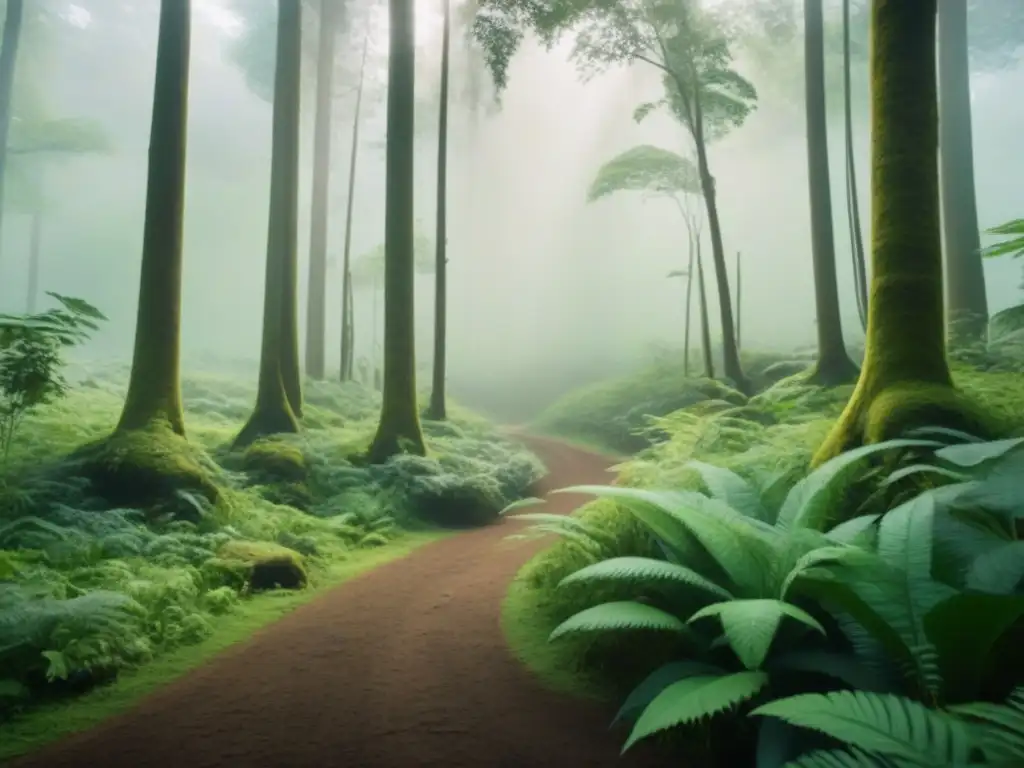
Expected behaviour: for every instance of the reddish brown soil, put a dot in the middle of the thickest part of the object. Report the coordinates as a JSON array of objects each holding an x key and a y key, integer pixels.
[{"x": 403, "y": 667}]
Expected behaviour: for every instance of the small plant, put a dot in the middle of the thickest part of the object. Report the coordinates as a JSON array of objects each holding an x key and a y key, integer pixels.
[{"x": 31, "y": 359}]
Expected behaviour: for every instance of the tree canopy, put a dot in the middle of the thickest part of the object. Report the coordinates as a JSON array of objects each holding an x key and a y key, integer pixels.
[{"x": 645, "y": 168}]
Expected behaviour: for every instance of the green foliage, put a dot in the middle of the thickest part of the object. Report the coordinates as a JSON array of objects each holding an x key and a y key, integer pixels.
[
  {"x": 645, "y": 169},
  {"x": 1014, "y": 246},
  {"x": 87, "y": 590},
  {"x": 31, "y": 358},
  {"x": 856, "y": 631}
]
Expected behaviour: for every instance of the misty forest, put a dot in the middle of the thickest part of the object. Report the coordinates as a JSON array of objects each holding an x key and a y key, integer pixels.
[{"x": 393, "y": 383}]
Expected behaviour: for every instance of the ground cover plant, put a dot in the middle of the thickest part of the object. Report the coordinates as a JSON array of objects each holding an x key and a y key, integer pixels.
[
  {"x": 750, "y": 585},
  {"x": 89, "y": 588}
]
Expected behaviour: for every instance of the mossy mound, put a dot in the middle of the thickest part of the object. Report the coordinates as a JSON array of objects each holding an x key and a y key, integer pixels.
[
  {"x": 458, "y": 503},
  {"x": 275, "y": 459},
  {"x": 256, "y": 566},
  {"x": 147, "y": 469}
]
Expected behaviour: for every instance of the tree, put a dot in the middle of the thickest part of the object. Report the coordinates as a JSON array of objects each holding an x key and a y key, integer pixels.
[
  {"x": 905, "y": 379},
  {"x": 686, "y": 44},
  {"x": 154, "y": 387},
  {"x": 8, "y": 61},
  {"x": 852, "y": 202},
  {"x": 833, "y": 365},
  {"x": 399, "y": 427},
  {"x": 966, "y": 300},
  {"x": 437, "y": 409},
  {"x": 278, "y": 395},
  {"x": 347, "y": 330},
  {"x": 316, "y": 295},
  {"x": 659, "y": 172}
]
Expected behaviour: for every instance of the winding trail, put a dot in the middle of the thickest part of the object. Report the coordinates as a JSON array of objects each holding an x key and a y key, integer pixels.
[{"x": 402, "y": 667}]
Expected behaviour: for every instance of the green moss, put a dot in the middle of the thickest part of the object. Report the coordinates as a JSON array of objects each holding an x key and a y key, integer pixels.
[
  {"x": 145, "y": 468},
  {"x": 276, "y": 459},
  {"x": 263, "y": 565}
]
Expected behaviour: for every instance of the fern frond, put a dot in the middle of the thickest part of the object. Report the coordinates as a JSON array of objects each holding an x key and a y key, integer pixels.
[
  {"x": 646, "y": 569},
  {"x": 620, "y": 615}
]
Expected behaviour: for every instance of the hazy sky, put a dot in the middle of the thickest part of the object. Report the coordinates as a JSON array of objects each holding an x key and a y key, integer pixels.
[{"x": 538, "y": 277}]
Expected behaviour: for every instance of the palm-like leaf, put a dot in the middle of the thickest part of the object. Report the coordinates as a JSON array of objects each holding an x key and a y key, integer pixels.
[
  {"x": 645, "y": 169},
  {"x": 622, "y": 615},
  {"x": 648, "y": 571}
]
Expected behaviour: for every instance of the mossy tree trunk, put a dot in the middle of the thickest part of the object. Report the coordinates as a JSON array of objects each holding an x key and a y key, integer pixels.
[
  {"x": 966, "y": 300},
  {"x": 274, "y": 411},
  {"x": 905, "y": 380},
  {"x": 834, "y": 365},
  {"x": 316, "y": 294},
  {"x": 8, "y": 61},
  {"x": 438, "y": 408},
  {"x": 347, "y": 310},
  {"x": 399, "y": 428},
  {"x": 154, "y": 388}
]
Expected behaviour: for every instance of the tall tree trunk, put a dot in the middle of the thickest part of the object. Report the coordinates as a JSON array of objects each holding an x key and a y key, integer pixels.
[
  {"x": 399, "y": 427},
  {"x": 316, "y": 295},
  {"x": 834, "y": 365},
  {"x": 966, "y": 302},
  {"x": 438, "y": 410},
  {"x": 291, "y": 370},
  {"x": 35, "y": 246},
  {"x": 274, "y": 412},
  {"x": 154, "y": 388},
  {"x": 350, "y": 330},
  {"x": 860, "y": 281},
  {"x": 689, "y": 314},
  {"x": 739, "y": 303},
  {"x": 347, "y": 313},
  {"x": 905, "y": 379},
  {"x": 730, "y": 354},
  {"x": 705, "y": 320},
  {"x": 8, "y": 61}
]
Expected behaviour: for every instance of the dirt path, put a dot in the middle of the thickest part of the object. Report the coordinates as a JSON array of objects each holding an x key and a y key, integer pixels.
[{"x": 403, "y": 667}]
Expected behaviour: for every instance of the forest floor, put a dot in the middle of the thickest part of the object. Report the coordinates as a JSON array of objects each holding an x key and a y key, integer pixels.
[{"x": 405, "y": 665}]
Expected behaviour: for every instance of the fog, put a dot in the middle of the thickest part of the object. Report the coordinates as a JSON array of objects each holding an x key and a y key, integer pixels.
[{"x": 542, "y": 285}]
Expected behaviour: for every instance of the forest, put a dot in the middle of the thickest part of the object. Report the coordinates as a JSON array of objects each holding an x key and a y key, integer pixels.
[{"x": 511, "y": 382}]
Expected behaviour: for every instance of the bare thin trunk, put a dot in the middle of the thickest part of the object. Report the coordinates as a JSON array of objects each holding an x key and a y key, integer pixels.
[
  {"x": 347, "y": 313},
  {"x": 739, "y": 303},
  {"x": 437, "y": 392},
  {"x": 8, "y": 60},
  {"x": 852, "y": 203},
  {"x": 34, "y": 256},
  {"x": 689, "y": 314},
  {"x": 705, "y": 320},
  {"x": 316, "y": 293}
]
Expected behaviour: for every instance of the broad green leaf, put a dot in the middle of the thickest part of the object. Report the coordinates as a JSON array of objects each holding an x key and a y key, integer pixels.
[
  {"x": 891, "y": 725},
  {"x": 645, "y": 169},
  {"x": 840, "y": 666},
  {"x": 973, "y": 454},
  {"x": 924, "y": 469},
  {"x": 694, "y": 699},
  {"x": 658, "y": 681},
  {"x": 623, "y": 615},
  {"x": 964, "y": 629},
  {"x": 999, "y": 570},
  {"x": 726, "y": 485},
  {"x": 810, "y": 503},
  {"x": 956, "y": 435},
  {"x": 530, "y": 501},
  {"x": 647, "y": 570},
  {"x": 750, "y": 625},
  {"x": 853, "y": 530}
]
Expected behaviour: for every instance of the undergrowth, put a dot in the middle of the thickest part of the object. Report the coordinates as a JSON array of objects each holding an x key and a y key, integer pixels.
[{"x": 86, "y": 590}]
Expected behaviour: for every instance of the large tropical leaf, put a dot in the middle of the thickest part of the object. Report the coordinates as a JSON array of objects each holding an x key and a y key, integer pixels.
[
  {"x": 975, "y": 454},
  {"x": 693, "y": 699},
  {"x": 646, "y": 570},
  {"x": 1013, "y": 246},
  {"x": 726, "y": 485},
  {"x": 645, "y": 169},
  {"x": 812, "y": 501},
  {"x": 750, "y": 625},
  {"x": 621, "y": 615},
  {"x": 883, "y": 723},
  {"x": 999, "y": 728},
  {"x": 659, "y": 680}
]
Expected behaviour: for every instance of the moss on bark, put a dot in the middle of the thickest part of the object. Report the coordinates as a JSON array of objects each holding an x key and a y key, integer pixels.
[{"x": 905, "y": 380}]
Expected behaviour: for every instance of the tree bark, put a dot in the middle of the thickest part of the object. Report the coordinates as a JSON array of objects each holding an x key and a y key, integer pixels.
[
  {"x": 35, "y": 246},
  {"x": 834, "y": 365},
  {"x": 860, "y": 286},
  {"x": 966, "y": 300},
  {"x": 8, "y": 62},
  {"x": 154, "y": 388},
  {"x": 905, "y": 381},
  {"x": 316, "y": 294},
  {"x": 705, "y": 320},
  {"x": 273, "y": 412},
  {"x": 739, "y": 303},
  {"x": 730, "y": 354},
  {"x": 438, "y": 410},
  {"x": 399, "y": 428},
  {"x": 689, "y": 296},
  {"x": 347, "y": 312}
]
